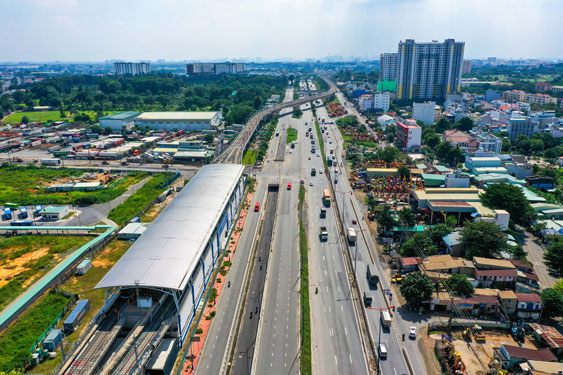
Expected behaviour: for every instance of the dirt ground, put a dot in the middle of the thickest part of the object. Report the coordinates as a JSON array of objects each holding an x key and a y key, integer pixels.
[
  {"x": 14, "y": 267},
  {"x": 476, "y": 356}
]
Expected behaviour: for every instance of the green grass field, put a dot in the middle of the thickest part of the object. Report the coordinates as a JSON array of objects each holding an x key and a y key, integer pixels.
[
  {"x": 18, "y": 338},
  {"x": 46, "y": 116},
  {"x": 83, "y": 286},
  {"x": 26, "y": 185},
  {"x": 141, "y": 199},
  {"x": 291, "y": 135},
  {"x": 24, "y": 259},
  {"x": 249, "y": 157}
]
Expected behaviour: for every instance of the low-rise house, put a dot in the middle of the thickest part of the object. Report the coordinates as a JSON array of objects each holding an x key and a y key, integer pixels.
[
  {"x": 492, "y": 264},
  {"x": 522, "y": 266},
  {"x": 508, "y": 301},
  {"x": 479, "y": 305},
  {"x": 511, "y": 356},
  {"x": 541, "y": 182},
  {"x": 446, "y": 265},
  {"x": 499, "y": 277},
  {"x": 529, "y": 306},
  {"x": 54, "y": 213},
  {"x": 410, "y": 264},
  {"x": 548, "y": 336},
  {"x": 541, "y": 367},
  {"x": 453, "y": 243}
]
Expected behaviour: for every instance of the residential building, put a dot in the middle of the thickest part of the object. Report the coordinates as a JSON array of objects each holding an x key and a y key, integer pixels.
[
  {"x": 381, "y": 101},
  {"x": 385, "y": 120},
  {"x": 408, "y": 135},
  {"x": 388, "y": 66},
  {"x": 487, "y": 142},
  {"x": 520, "y": 170},
  {"x": 188, "y": 121},
  {"x": 543, "y": 86},
  {"x": 425, "y": 112},
  {"x": 466, "y": 67},
  {"x": 541, "y": 367},
  {"x": 453, "y": 243},
  {"x": 130, "y": 68},
  {"x": 508, "y": 301},
  {"x": 548, "y": 336},
  {"x": 529, "y": 306},
  {"x": 511, "y": 356},
  {"x": 461, "y": 139},
  {"x": 541, "y": 182},
  {"x": 215, "y": 68},
  {"x": 513, "y": 96},
  {"x": 365, "y": 102},
  {"x": 410, "y": 264},
  {"x": 518, "y": 126},
  {"x": 429, "y": 71}
]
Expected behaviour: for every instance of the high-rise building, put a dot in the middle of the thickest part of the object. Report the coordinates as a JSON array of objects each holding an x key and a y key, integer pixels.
[
  {"x": 215, "y": 68},
  {"x": 388, "y": 66},
  {"x": 129, "y": 68},
  {"x": 466, "y": 68},
  {"x": 429, "y": 71}
]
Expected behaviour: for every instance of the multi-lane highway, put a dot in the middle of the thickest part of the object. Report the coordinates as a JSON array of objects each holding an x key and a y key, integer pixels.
[
  {"x": 233, "y": 154},
  {"x": 400, "y": 352}
]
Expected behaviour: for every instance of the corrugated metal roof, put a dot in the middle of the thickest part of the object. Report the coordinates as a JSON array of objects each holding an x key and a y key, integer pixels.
[{"x": 169, "y": 250}]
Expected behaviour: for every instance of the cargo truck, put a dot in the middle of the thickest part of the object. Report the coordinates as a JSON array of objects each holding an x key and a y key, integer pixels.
[
  {"x": 373, "y": 278},
  {"x": 323, "y": 235},
  {"x": 352, "y": 236},
  {"x": 386, "y": 318},
  {"x": 326, "y": 197}
]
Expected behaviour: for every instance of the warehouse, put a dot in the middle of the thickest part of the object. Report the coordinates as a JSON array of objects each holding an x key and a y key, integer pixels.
[
  {"x": 178, "y": 251},
  {"x": 173, "y": 121},
  {"x": 119, "y": 120}
]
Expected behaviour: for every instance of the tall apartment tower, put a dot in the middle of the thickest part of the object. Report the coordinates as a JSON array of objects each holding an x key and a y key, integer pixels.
[
  {"x": 129, "y": 68},
  {"x": 429, "y": 71},
  {"x": 388, "y": 66}
]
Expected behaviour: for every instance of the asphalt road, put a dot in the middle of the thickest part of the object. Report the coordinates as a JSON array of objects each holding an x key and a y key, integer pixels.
[
  {"x": 278, "y": 342},
  {"x": 351, "y": 209},
  {"x": 337, "y": 347},
  {"x": 246, "y": 339},
  {"x": 220, "y": 337}
]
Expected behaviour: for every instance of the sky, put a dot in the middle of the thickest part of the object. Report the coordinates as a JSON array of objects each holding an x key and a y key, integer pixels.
[{"x": 99, "y": 30}]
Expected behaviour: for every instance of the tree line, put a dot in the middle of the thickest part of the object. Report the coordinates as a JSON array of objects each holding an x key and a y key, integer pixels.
[{"x": 237, "y": 96}]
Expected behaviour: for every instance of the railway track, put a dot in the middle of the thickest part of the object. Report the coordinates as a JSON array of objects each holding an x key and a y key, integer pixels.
[{"x": 233, "y": 154}]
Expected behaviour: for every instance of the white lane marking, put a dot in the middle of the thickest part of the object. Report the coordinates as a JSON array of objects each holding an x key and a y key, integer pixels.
[
  {"x": 335, "y": 359},
  {"x": 350, "y": 355}
]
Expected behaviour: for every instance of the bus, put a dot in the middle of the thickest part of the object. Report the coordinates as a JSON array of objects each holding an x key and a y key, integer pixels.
[{"x": 326, "y": 197}]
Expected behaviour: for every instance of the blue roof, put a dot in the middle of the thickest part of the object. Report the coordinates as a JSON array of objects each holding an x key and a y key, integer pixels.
[
  {"x": 121, "y": 116},
  {"x": 452, "y": 239}
]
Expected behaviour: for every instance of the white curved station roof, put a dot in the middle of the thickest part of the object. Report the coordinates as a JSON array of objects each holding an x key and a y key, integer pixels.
[{"x": 169, "y": 250}]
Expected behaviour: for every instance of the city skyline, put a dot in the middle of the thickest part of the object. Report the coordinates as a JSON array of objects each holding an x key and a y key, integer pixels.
[{"x": 282, "y": 30}]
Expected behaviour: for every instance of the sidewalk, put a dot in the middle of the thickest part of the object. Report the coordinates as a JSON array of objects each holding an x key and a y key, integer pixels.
[{"x": 204, "y": 324}]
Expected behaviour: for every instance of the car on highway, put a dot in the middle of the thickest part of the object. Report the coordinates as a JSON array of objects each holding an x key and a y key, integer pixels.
[
  {"x": 310, "y": 183},
  {"x": 412, "y": 332},
  {"x": 257, "y": 207},
  {"x": 382, "y": 349},
  {"x": 289, "y": 186}
]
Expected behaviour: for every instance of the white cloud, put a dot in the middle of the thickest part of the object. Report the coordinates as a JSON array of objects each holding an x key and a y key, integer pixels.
[{"x": 188, "y": 29}]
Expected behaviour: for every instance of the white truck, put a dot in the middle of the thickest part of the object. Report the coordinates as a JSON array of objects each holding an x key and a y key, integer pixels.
[
  {"x": 386, "y": 318},
  {"x": 352, "y": 236}
]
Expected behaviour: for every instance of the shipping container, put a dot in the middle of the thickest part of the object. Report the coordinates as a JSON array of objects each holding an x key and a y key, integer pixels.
[
  {"x": 84, "y": 266},
  {"x": 76, "y": 315},
  {"x": 53, "y": 340}
]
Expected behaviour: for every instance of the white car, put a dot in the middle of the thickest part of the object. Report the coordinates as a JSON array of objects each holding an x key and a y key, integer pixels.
[
  {"x": 311, "y": 183},
  {"x": 412, "y": 332}
]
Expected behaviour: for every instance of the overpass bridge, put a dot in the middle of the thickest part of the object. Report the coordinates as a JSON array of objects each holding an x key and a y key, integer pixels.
[{"x": 233, "y": 154}]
